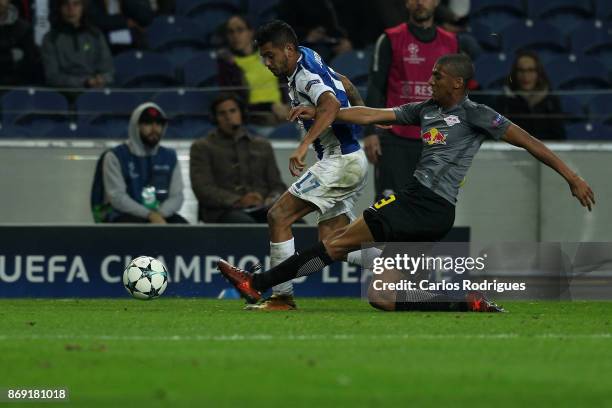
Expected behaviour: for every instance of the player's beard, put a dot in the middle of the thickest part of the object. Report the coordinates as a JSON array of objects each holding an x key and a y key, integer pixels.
[{"x": 422, "y": 16}]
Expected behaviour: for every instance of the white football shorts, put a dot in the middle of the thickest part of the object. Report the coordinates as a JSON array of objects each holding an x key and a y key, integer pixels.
[{"x": 333, "y": 184}]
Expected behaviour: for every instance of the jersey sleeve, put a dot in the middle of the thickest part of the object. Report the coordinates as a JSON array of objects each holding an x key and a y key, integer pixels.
[
  {"x": 311, "y": 85},
  {"x": 489, "y": 122},
  {"x": 409, "y": 114}
]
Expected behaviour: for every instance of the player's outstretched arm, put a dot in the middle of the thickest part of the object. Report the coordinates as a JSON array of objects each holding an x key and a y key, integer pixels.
[
  {"x": 324, "y": 115},
  {"x": 579, "y": 188},
  {"x": 360, "y": 115}
]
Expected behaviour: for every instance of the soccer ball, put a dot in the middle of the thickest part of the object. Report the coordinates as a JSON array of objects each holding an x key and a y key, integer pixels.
[{"x": 145, "y": 278}]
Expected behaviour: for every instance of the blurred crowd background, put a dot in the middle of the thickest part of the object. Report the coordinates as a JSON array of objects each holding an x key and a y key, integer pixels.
[{"x": 78, "y": 68}]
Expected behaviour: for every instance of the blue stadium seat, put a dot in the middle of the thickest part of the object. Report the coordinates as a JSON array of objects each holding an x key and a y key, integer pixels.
[
  {"x": 105, "y": 107},
  {"x": 10, "y": 132},
  {"x": 492, "y": 70},
  {"x": 201, "y": 70},
  {"x": 288, "y": 130},
  {"x": 39, "y": 110},
  {"x": 600, "y": 109},
  {"x": 197, "y": 7},
  {"x": 62, "y": 131},
  {"x": 484, "y": 6},
  {"x": 263, "y": 10},
  {"x": 211, "y": 22},
  {"x": 581, "y": 72},
  {"x": 166, "y": 32},
  {"x": 573, "y": 108},
  {"x": 188, "y": 111},
  {"x": 603, "y": 9},
  {"x": 588, "y": 131},
  {"x": 593, "y": 38},
  {"x": 487, "y": 38},
  {"x": 534, "y": 36},
  {"x": 497, "y": 13},
  {"x": 142, "y": 69},
  {"x": 354, "y": 65},
  {"x": 565, "y": 15}
]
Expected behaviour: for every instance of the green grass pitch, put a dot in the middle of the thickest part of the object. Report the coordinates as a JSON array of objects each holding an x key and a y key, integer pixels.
[{"x": 331, "y": 352}]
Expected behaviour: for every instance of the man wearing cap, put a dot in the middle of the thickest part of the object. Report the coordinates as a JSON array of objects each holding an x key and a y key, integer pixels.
[{"x": 142, "y": 180}]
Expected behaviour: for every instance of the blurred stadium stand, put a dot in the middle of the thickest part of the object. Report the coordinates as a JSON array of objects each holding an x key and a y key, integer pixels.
[{"x": 573, "y": 38}]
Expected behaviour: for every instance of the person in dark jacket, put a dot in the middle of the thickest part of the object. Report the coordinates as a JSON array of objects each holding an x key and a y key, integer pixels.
[
  {"x": 19, "y": 57},
  {"x": 124, "y": 22},
  {"x": 74, "y": 52},
  {"x": 528, "y": 101}
]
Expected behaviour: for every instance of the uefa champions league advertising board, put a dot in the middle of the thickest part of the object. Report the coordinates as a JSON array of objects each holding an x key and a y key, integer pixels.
[{"x": 88, "y": 261}]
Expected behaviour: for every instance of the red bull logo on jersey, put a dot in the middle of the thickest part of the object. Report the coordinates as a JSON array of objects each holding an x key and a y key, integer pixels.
[{"x": 434, "y": 136}]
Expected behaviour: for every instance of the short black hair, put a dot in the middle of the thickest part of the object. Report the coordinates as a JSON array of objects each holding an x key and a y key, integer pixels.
[
  {"x": 458, "y": 65},
  {"x": 278, "y": 33}
]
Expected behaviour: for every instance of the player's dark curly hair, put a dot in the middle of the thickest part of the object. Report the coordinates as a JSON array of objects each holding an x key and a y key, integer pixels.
[
  {"x": 277, "y": 32},
  {"x": 458, "y": 65}
]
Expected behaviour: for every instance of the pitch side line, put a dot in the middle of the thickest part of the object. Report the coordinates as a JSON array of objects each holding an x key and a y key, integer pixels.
[{"x": 268, "y": 337}]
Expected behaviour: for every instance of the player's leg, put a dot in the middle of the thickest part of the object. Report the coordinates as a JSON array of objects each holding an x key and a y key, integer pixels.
[{"x": 283, "y": 214}]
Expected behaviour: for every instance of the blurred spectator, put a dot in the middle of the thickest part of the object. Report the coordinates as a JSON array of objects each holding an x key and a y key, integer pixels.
[
  {"x": 452, "y": 15},
  {"x": 404, "y": 57},
  {"x": 165, "y": 7},
  {"x": 379, "y": 15},
  {"x": 19, "y": 57},
  {"x": 74, "y": 52},
  {"x": 233, "y": 172},
  {"x": 142, "y": 180},
  {"x": 316, "y": 24},
  {"x": 240, "y": 66},
  {"x": 527, "y": 100},
  {"x": 123, "y": 21}
]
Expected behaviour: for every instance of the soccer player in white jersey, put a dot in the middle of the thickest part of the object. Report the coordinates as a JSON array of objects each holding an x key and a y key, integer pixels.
[{"x": 332, "y": 185}]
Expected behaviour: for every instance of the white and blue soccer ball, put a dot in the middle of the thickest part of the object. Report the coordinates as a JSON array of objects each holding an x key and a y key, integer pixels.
[{"x": 145, "y": 278}]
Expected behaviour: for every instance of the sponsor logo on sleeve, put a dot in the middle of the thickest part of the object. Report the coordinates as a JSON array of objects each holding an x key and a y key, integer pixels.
[
  {"x": 499, "y": 119},
  {"x": 311, "y": 83}
]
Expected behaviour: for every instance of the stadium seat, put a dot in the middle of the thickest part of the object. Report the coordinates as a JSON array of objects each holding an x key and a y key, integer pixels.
[
  {"x": 565, "y": 15},
  {"x": 142, "y": 69},
  {"x": 263, "y": 10},
  {"x": 600, "y": 109},
  {"x": 100, "y": 107},
  {"x": 201, "y": 70},
  {"x": 573, "y": 108},
  {"x": 492, "y": 70},
  {"x": 188, "y": 111},
  {"x": 39, "y": 110},
  {"x": 289, "y": 131},
  {"x": 10, "y": 132},
  {"x": 497, "y": 13},
  {"x": 603, "y": 9},
  {"x": 534, "y": 36},
  {"x": 354, "y": 65},
  {"x": 581, "y": 72},
  {"x": 486, "y": 37},
  {"x": 588, "y": 131},
  {"x": 197, "y": 7},
  {"x": 166, "y": 32},
  {"x": 592, "y": 38}
]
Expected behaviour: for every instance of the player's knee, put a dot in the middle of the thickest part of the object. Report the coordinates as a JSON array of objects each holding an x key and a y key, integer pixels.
[
  {"x": 277, "y": 216},
  {"x": 385, "y": 306}
]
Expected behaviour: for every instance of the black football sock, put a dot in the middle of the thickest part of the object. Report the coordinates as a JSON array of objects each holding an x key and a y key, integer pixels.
[
  {"x": 302, "y": 263},
  {"x": 426, "y": 301}
]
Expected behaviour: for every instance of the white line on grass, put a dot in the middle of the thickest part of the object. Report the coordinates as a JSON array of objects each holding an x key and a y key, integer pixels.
[{"x": 310, "y": 337}]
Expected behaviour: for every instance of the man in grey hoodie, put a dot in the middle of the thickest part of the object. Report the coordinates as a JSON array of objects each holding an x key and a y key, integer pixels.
[
  {"x": 142, "y": 180},
  {"x": 75, "y": 53}
]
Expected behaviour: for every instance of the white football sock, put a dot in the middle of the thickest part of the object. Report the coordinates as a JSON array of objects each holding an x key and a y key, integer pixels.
[
  {"x": 279, "y": 251},
  {"x": 363, "y": 255}
]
